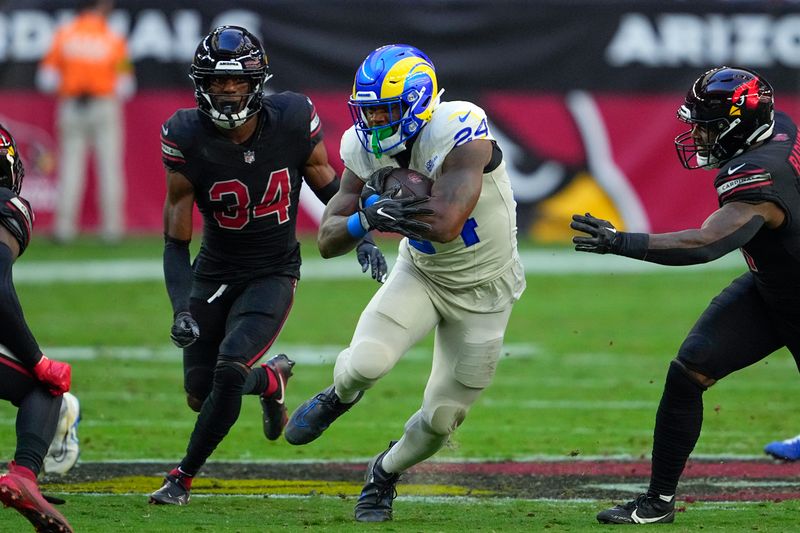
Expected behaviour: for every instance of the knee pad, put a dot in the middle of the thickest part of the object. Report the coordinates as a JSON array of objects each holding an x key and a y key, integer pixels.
[
  {"x": 230, "y": 374},
  {"x": 194, "y": 403},
  {"x": 444, "y": 419},
  {"x": 696, "y": 351},
  {"x": 682, "y": 381},
  {"x": 369, "y": 360},
  {"x": 197, "y": 384}
]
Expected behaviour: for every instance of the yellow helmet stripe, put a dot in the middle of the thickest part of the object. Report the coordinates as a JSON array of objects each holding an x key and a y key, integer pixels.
[{"x": 394, "y": 81}]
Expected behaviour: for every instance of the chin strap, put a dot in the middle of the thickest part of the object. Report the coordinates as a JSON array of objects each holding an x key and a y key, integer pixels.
[{"x": 378, "y": 135}]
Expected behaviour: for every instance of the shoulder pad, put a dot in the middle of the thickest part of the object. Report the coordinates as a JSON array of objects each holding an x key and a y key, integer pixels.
[
  {"x": 738, "y": 176},
  {"x": 16, "y": 216},
  {"x": 177, "y": 134}
]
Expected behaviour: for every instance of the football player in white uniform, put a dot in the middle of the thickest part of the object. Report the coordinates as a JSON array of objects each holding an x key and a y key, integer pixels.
[{"x": 458, "y": 270}]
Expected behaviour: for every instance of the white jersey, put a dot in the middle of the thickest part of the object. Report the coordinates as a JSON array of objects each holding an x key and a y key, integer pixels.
[{"x": 487, "y": 246}]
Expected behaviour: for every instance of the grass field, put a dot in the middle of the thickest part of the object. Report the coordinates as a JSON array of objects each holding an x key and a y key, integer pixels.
[{"x": 581, "y": 376}]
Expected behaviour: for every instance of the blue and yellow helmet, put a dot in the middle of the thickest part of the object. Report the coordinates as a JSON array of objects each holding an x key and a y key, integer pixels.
[{"x": 402, "y": 78}]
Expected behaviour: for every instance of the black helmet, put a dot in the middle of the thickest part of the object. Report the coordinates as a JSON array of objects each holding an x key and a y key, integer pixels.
[
  {"x": 229, "y": 51},
  {"x": 11, "y": 169},
  {"x": 734, "y": 109}
]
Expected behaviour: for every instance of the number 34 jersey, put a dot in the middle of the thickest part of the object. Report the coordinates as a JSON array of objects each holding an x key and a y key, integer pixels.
[
  {"x": 247, "y": 193},
  {"x": 487, "y": 245}
]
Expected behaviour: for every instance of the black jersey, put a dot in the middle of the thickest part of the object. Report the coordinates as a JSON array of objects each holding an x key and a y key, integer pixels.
[
  {"x": 247, "y": 193},
  {"x": 16, "y": 216},
  {"x": 770, "y": 173}
]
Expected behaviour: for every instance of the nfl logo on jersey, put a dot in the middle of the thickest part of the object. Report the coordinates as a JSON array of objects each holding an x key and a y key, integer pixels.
[{"x": 249, "y": 156}]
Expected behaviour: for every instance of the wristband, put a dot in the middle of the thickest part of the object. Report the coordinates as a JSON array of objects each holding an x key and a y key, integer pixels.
[
  {"x": 354, "y": 227},
  {"x": 371, "y": 200},
  {"x": 631, "y": 244}
]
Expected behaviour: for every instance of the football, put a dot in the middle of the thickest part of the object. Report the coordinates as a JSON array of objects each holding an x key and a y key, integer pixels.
[{"x": 411, "y": 183}]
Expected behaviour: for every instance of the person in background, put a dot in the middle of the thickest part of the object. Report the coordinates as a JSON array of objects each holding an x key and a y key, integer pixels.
[
  {"x": 88, "y": 67},
  {"x": 28, "y": 379}
]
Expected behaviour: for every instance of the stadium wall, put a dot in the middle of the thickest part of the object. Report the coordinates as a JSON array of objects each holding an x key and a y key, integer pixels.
[{"x": 582, "y": 94}]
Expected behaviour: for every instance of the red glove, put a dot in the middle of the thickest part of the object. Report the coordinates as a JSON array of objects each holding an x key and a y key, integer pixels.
[{"x": 54, "y": 374}]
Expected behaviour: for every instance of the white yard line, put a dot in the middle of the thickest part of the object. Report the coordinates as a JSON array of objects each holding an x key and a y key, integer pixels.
[
  {"x": 540, "y": 261},
  {"x": 305, "y": 354}
]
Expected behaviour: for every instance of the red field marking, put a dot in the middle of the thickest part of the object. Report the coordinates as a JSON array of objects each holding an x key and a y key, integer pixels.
[
  {"x": 694, "y": 469},
  {"x": 703, "y": 480}
]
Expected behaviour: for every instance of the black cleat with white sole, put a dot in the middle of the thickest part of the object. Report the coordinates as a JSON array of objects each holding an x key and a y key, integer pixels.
[{"x": 645, "y": 509}]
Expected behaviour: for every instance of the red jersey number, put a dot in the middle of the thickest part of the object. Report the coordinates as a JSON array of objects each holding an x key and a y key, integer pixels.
[{"x": 236, "y": 195}]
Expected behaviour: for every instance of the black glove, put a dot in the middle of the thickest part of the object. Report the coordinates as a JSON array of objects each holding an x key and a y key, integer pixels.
[
  {"x": 374, "y": 184},
  {"x": 603, "y": 237},
  {"x": 185, "y": 330},
  {"x": 394, "y": 215},
  {"x": 369, "y": 255}
]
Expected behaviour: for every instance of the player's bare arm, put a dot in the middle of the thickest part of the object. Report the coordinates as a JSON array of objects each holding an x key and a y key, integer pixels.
[
  {"x": 333, "y": 238},
  {"x": 318, "y": 171},
  {"x": 728, "y": 228},
  {"x": 455, "y": 193},
  {"x": 178, "y": 207}
]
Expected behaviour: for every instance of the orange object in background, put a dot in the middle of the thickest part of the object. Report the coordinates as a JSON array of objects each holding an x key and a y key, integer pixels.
[{"x": 88, "y": 56}]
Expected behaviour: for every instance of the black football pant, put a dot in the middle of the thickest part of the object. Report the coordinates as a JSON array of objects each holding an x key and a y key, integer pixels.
[
  {"x": 237, "y": 326},
  {"x": 737, "y": 329},
  {"x": 37, "y": 414}
]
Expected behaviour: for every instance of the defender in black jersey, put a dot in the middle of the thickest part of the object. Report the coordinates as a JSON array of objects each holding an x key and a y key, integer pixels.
[
  {"x": 756, "y": 152},
  {"x": 28, "y": 379},
  {"x": 241, "y": 157}
]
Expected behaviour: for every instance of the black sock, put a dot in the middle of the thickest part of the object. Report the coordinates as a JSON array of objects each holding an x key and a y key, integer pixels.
[
  {"x": 257, "y": 381},
  {"x": 678, "y": 423},
  {"x": 37, "y": 419},
  {"x": 220, "y": 411}
]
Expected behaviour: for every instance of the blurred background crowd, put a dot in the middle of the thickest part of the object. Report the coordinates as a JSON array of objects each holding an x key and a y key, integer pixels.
[{"x": 582, "y": 94}]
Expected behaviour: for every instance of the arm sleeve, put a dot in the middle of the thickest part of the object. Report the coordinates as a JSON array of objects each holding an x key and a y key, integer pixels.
[
  {"x": 636, "y": 245},
  {"x": 14, "y": 332},
  {"x": 326, "y": 193},
  {"x": 177, "y": 273}
]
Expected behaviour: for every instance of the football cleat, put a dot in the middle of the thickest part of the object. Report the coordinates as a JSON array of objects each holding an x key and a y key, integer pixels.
[
  {"x": 376, "y": 498},
  {"x": 18, "y": 489},
  {"x": 64, "y": 450},
  {"x": 274, "y": 406},
  {"x": 174, "y": 491},
  {"x": 785, "y": 450},
  {"x": 645, "y": 509},
  {"x": 316, "y": 415}
]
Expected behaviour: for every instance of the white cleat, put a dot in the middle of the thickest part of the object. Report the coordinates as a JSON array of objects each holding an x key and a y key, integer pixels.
[{"x": 64, "y": 450}]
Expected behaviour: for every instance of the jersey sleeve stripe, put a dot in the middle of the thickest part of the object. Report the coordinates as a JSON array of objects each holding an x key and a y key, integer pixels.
[
  {"x": 166, "y": 141},
  {"x": 168, "y": 151},
  {"x": 173, "y": 159},
  {"x": 746, "y": 188},
  {"x": 27, "y": 214},
  {"x": 316, "y": 124}
]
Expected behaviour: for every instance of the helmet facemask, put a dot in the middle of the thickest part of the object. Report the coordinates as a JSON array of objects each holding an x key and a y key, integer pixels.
[
  {"x": 229, "y": 110},
  {"x": 703, "y": 146},
  {"x": 402, "y": 120}
]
